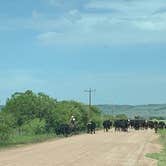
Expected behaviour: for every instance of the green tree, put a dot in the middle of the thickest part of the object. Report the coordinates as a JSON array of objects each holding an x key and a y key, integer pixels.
[
  {"x": 6, "y": 127},
  {"x": 34, "y": 127},
  {"x": 28, "y": 106},
  {"x": 95, "y": 115},
  {"x": 66, "y": 109}
]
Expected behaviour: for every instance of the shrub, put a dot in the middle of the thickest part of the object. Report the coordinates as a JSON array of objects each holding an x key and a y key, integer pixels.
[
  {"x": 6, "y": 124},
  {"x": 34, "y": 127}
]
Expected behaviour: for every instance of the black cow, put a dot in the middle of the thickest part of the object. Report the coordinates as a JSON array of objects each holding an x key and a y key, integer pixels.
[
  {"x": 67, "y": 129},
  {"x": 142, "y": 124},
  {"x": 63, "y": 129},
  {"x": 161, "y": 125},
  {"x": 131, "y": 123},
  {"x": 91, "y": 127},
  {"x": 139, "y": 124},
  {"x": 107, "y": 125},
  {"x": 151, "y": 124},
  {"x": 121, "y": 125}
]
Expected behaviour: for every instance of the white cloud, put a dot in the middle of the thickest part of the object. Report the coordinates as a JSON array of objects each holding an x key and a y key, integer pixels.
[
  {"x": 127, "y": 22},
  {"x": 107, "y": 29},
  {"x": 124, "y": 22},
  {"x": 139, "y": 7}
]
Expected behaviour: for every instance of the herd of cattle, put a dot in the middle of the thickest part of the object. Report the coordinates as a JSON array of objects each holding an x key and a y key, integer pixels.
[
  {"x": 124, "y": 125},
  {"x": 119, "y": 125}
]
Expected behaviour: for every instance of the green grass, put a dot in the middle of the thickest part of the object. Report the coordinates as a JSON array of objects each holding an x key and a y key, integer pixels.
[
  {"x": 161, "y": 157},
  {"x": 26, "y": 139},
  {"x": 18, "y": 140}
]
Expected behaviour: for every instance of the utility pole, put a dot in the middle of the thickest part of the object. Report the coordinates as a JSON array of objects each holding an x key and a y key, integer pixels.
[{"x": 90, "y": 91}]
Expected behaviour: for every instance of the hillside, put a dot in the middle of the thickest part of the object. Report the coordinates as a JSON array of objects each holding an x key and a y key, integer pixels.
[{"x": 151, "y": 110}]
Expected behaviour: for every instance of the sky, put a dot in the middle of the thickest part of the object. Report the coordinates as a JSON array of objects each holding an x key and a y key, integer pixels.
[{"x": 62, "y": 48}]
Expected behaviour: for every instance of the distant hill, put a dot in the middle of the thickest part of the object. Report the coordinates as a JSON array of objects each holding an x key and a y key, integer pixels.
[{"x": 146, "y": 111}]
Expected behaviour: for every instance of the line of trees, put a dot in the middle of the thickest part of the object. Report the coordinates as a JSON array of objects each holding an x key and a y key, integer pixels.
[{"x": 33, "y": 114}]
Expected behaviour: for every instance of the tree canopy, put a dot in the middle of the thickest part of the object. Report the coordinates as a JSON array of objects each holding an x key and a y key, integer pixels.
[{"x": 33, "y": 111}]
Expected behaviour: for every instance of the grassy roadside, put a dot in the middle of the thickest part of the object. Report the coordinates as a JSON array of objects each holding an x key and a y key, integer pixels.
[
  {"x": 161, "y": 157},
  {"x": 18, "y": 140}
]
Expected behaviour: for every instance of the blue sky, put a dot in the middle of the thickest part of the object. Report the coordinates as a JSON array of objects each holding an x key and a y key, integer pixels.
[{"x": 62, "y": 47}]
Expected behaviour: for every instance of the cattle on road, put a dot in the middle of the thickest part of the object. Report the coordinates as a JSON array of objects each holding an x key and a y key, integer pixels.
[
  {"x": 91, "y": 127},
  {"x": 107, "y": 125}
]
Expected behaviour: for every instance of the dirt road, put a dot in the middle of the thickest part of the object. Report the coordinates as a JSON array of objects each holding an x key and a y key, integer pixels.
[{"x": 102, "y": 149}]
